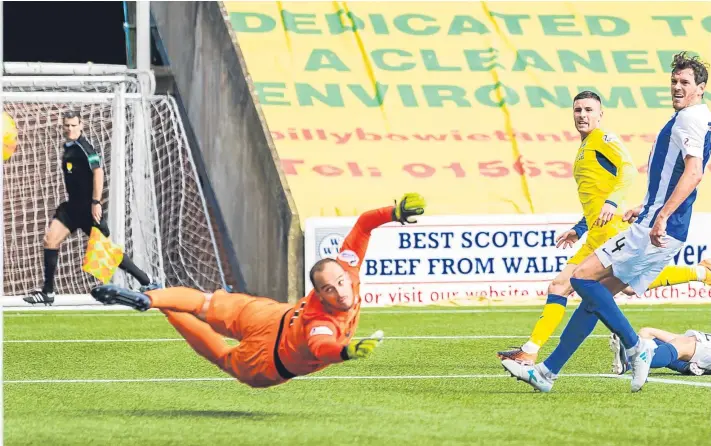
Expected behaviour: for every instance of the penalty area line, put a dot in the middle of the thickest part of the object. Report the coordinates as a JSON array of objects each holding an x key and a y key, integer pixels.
[{"x": 365, "y": 377}]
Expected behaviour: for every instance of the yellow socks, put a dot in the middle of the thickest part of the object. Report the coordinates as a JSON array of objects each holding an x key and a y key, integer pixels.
[
  {"x": 674, "y": 275},
  {"x": 553, "y": 313}
]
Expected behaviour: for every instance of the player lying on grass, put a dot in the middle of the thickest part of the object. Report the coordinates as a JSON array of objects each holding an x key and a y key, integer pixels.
[
  {"x": 604, "y": 172},
  {"x": 688, "y": 354},
  {"x": 278, "y": 341}
]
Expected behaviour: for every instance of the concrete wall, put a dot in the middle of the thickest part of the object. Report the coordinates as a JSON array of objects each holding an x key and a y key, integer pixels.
[{"x": 238, "y": 153}]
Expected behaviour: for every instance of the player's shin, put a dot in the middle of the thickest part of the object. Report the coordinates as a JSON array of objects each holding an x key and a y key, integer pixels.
[
  {"x": 604, "y": 306},
  {"x": 50, "y": 268},
  {"x": 131, "y": 268},
  {"x": 553, "y": 313},
  {"x": 183, "y": 299},
  {"x": 581, "y": 324}
]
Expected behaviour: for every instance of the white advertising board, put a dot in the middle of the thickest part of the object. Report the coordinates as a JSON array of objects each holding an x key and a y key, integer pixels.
[{"x": 484, "y": 259}]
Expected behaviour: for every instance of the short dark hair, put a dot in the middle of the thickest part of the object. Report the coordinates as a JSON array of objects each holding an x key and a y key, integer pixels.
[
  {"x": 587, "y": 94},
  {"x": 69, "y": 114},
  {"x": 318, "y": 267},
  {"x": 683, "y": 61}
]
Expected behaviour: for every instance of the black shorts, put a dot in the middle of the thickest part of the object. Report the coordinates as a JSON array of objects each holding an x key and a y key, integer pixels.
[{"x": 79, "y": 217}]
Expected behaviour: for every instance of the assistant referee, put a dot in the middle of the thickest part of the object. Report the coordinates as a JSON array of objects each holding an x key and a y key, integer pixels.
[{"x": 84, "y": 181}]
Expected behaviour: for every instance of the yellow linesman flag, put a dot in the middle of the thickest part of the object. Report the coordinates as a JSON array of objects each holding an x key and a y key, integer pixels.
[{"x": 102, "y": 256}]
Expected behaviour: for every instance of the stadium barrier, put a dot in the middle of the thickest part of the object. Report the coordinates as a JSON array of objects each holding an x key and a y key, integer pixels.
[{"x": 238, "y": 153}]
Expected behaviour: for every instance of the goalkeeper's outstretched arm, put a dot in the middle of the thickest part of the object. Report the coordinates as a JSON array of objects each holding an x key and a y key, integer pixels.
[
  {"x": 411, "y": 205},
  {"x": 325, "y": 347}
]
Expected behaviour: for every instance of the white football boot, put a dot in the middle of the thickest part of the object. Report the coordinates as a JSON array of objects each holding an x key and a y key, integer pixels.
[
  {"x": 620, "y": 363},
  {"x": 640, "y": 363},
  {"x": 532, "y": 375}
]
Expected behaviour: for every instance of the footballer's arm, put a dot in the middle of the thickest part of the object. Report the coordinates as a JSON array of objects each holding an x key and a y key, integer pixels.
[
  {"x": 625, "y": 175},
  {"x": 357, "y": 240},
  {"x": 323, "y": 344}
]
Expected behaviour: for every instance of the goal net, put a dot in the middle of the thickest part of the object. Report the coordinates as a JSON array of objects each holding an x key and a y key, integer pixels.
[{"x": 156, "y": 207}]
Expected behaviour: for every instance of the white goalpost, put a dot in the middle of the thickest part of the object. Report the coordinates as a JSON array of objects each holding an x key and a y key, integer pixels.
[{"x": 156, "y": 207}]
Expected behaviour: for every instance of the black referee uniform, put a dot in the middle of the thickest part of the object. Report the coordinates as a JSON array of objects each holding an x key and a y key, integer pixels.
[
  {"x": 78, "y": 164},
  {"x": 79, "y": 161}
]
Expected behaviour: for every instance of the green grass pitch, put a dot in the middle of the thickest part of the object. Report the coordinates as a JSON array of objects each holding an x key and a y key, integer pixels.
[{"x": 445, "y": 389}]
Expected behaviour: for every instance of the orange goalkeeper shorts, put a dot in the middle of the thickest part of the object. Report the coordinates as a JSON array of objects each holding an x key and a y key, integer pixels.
[{"x": 255, "y": 322}]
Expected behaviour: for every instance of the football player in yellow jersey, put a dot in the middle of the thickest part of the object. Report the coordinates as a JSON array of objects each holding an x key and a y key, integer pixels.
[{"x": 604, "y": 172}]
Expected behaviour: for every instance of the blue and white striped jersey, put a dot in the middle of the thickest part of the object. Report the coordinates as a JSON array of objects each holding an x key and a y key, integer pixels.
[{"x": 688, "y": 133}]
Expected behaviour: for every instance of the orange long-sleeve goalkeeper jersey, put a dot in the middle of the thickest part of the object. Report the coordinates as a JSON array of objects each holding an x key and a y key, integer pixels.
[{"x": 313, "y": 337}]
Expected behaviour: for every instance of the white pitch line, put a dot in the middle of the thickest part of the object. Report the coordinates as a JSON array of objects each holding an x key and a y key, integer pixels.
[
  {"x": 537, "y": 310},
  {"x": 676, "y": 381},
  {"x": 370, "y": 311},
  {"x": 88, "y": 341},
  {"x": 477, "y": 337},
  {"x": 97, "y": 314},
  {"x": 364, "y": 377}
]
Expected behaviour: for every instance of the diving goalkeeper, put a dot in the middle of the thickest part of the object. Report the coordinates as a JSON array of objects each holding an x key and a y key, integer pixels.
[{"x": 278, "y": 341}]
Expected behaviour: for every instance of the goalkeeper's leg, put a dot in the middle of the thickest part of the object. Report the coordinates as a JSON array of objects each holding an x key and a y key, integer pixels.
[
  {"x": 251, "y": 362},
  {"x": 200, "y": 336},
  {"x": 230, "y": 314},
  {"x": 180, "y": 299}
]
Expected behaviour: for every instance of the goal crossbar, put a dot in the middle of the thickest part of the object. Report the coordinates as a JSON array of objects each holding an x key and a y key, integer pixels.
[
  {"x": 68, "y": 97},
  {"x": 64, "y": 81}
]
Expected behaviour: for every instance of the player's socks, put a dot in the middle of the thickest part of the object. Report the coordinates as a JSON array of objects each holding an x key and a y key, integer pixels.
[
  {"x": 663, "y": 355},
  {"x": 676, "y": 364},
  {"x": 182, "y": 299},
  {"x": 553, "y": 313},
  {"x": 581, "y": 324},
  {"x": 604, "y": 306},
  {"x": 131, "y": 268},
  {"x": 674, "y": 275},
  {"x": 201, "y": 337},
  {"x": 50, "y": 268}
]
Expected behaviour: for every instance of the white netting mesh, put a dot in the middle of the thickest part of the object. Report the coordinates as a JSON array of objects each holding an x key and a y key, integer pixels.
[
  {"x": 187, "y": 236},
  {"x": 167, "y": 229}
]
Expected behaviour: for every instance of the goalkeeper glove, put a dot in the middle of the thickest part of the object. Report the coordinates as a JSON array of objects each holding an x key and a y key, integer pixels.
[
  {"x": 410, "y": 205},
  {"x": 362, "y": 348}
]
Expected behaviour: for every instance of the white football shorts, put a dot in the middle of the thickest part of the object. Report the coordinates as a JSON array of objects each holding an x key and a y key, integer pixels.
[
  {"x": 702, "y": 356},
  {"x": 634, "y": 259}
]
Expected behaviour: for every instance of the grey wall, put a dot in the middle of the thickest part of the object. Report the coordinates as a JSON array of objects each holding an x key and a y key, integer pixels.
[{"x": 239, "y": 155}]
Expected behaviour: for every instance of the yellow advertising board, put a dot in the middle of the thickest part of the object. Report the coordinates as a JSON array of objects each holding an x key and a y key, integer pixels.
[{"x": 468, "y": 103}]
